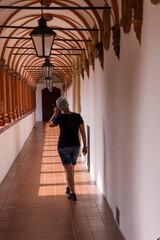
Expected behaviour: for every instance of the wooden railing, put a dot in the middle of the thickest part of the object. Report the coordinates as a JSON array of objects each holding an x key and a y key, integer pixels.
[{"x": 17, "y": 97}]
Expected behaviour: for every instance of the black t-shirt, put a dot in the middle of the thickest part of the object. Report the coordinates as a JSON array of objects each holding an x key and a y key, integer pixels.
[{"x": 69, "y": 126}]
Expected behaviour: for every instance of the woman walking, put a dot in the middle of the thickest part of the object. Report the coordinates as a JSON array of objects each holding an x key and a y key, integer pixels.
[{"x": 68, "y": 144}]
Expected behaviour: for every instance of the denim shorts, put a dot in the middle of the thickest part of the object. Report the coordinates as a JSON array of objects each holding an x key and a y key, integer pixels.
[{"x": 69, "y": 155}]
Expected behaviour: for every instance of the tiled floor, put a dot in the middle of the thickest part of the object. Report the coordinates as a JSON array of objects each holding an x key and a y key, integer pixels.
[{"x": 32, "y": 200}]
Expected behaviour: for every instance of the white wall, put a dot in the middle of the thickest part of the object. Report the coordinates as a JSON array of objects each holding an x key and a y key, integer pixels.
[
  {"x": 12, "y": 141},
  {"x": 68, "y": 95},
  {"x": 39, "y": 89},
  {"x": 122, "y": 107}
]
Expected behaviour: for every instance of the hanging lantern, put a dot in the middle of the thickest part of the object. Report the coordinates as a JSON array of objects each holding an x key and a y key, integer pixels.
[
  {"x": 42, "y": 38},
  {"x": 49, "y": 82},
  {"x": 47, "y": 69}
]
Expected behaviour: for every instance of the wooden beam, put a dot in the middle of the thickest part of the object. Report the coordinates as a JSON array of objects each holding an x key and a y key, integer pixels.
[
  {"x": 41, "y": 66},
  {"x": 32, "y": 54},
  {"x": 59, "y": 70},
  {"x": 30, "y": 48},
  {"x": 56, "y": 39},
  {"x": 62, "y": 29},
  {"x": 68, "y": 49},
  {"x": 23, "y": 38},
  {"x": 55, "y": 8}
]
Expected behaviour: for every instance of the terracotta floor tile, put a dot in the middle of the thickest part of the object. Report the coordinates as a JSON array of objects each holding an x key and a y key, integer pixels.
[
  {"x": 14, "y": 236},
  {"x": 2, "y": 235},
  {"x": 4, "y": 225},
  {"x": 17, "y": 225},
  {"x": 33, "y": 203},
  {"x": 49, "y": 236}
]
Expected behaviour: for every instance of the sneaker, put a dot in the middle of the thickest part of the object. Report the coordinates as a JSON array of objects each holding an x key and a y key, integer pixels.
[
  {"x": 67, "y": 190},
  {"x": 72, "y": 197}
]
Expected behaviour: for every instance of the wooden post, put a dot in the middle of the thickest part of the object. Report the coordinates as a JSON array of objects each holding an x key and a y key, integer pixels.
[
  {"x": 23, "y": 104},
  {"x": 5, "y": 92},
  {"x": 25, "y": 90},
  {"x": 2, "y": 122},
  {"x": 24, "y": 96},
  {"x": 29, "y": 97},
  {"x": 21, "y": 96},
  {"x": 14, "y": 87},
  {"x": 35, "y": 98},
  {"x": 10, "y": 94},
  {"x": 27, "y": 101},
  {"x": 18, "y": 95},
  {"x": 32, "y": 96},
  {"x": 32, "y": 91}
]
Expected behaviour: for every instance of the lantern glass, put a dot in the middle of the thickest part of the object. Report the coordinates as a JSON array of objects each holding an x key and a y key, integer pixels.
[
  {"x": 48, "y": 42},
  {"x": 37, "y": 39}
]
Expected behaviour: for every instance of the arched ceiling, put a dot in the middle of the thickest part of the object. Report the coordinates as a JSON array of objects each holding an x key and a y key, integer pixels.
[{"x": 18, "y": 53}]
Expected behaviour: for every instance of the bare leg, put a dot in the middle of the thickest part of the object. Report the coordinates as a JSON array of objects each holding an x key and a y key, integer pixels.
[{"x": 69, "y": 169}]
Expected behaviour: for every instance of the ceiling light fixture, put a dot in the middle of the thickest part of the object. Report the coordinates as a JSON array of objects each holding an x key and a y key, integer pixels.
[
  {"x": 47, "y": 69},
  {"x": 42, "y": 37}
]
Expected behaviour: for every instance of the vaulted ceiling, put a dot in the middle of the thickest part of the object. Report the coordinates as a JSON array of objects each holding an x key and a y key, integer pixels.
[{"x": 77, "y": 37}]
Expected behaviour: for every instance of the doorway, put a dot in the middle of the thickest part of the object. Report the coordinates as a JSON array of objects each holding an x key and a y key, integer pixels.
[{"x": 49, "y": 102}]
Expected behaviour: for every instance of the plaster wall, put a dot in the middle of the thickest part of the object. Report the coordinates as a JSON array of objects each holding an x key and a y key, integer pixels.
[
  {"x": 12, "y": 141},
  {"x": 68, "y": 95},
  {"x": 122, "y": 107},
  {"x": 39, "y": 89}
]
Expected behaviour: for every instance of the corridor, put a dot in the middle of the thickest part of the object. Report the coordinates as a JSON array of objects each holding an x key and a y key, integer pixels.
[{"x": 33, "y": 204}]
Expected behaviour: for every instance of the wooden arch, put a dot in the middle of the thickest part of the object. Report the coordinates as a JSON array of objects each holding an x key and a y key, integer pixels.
[{"x": 16, "y": 62}]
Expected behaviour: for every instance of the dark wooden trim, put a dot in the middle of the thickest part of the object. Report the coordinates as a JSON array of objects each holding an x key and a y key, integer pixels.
[
  {"x": 30, "y": 48},
  {"x": 23, "y": 38},
  {"x": 68, "y": 49},
  {"x": 55, "y": 8},
  {"x": 55, "y": 28},
  {"x": 32, "y": 54},
  {"x": 56, "y": 39},
  {"x": 41, "y": 66}
]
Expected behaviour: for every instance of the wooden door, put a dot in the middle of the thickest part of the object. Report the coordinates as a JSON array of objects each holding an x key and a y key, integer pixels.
[{"x": 49, "y": 102}]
